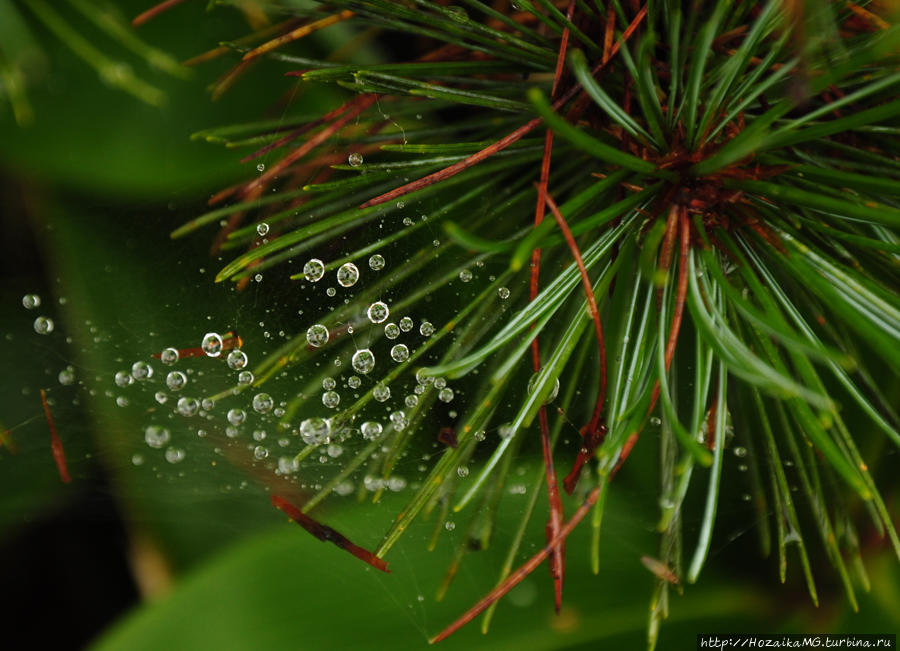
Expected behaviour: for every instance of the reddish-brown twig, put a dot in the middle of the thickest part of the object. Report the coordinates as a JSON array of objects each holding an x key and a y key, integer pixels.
[
  {"x": 327, "y": 534},
  {"x": 522, "y": 571},
  {"x": 56, "y": 446},
  {"x": 557, "y": 516},
  {"x": 154, "y": 11},
  {"x": 504, "y": 142}
]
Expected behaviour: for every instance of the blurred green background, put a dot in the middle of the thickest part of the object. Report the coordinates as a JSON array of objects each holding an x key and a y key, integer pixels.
[{"x": 140, "y": 554}]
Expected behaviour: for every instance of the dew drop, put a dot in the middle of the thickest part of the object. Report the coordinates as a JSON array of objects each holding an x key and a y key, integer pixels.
[
  {"x": 187, "y": 406},
  {"x": 532, "y": 383},
  {"x": 262, "y": 229},
  {"x": 141, "y": 371},
  {"x": 371, "y": 430},
  {"x": 406, "y": 324},
  {"x": 315, "y": 431},
  {"x": 236, "y": 416},
  {"x": 245, "y": 377},
  {"x": 445, "y": 394},
  {"x": 381, "y": 393},
  {"x": 363, "y": 361},
  {"x": 237, "y": 359},
  {"x": 391, "y": 331},
  {"x": 313, "y": 270},
  {"x": 331, "y": 399},
  {"x": 347, "y": 274},
  {"x": 176, "y": 380},
  {"x": 66, "y": 376},
  {"x": 43, "y": 325},
  {"x": 263, "y": 403},
  {"x": 156, "y": 436},
  {"x": 400, "y": 353},
  {"x": 355, "y": 159},
  {"x": 31, "y": 301},
  {"x": 503, "y": 292},
  {"x": 376, "y": 262},
  {"x": 123, "y": 378},
  {"x": 740, "y": 452},
  {"x": 465, "y": 275},
  {"x": 354, "y": 382},
  {"x": 168, "y": 356},
  {"x": 378, "y": 312},
  {"x": 212, "y": 344},
  {"x": 329, "y": 383},
  {"x": 174, "y": 455},
  {"x": 317, "y": 335}
]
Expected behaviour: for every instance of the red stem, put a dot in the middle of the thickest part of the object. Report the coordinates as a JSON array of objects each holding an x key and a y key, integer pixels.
[
  {"x": 56, "y": 446},
  {"x": 327, "y": 534}
]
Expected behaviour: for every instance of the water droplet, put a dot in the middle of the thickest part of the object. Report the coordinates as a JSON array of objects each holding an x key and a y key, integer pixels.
[
  {"x": 655, "y": 421},
  {"x": 378, "y": 312},
  {"x": 503, "y": 292},
  {"x": 237, "y": 359},
  {"x": 262, "y": 229},
  {"x": 465, "y": 275},
  {"x": 207, "y": 404},
  {"x": 314, "y": 270},
  {"x": 426, "y": 329},
  {"x": 399, "y": 420},
  {"x": 245, "y": 377},
  {"x": 354, "y": 382},
  {"x": 363, "y": 361},
  {"x": 449, "y": 525},
  {"x": 236, "y": 416},
  {"x": 396, "y": 484},
  {"x": 315, "y": 431},
  {"x": 331, "y": 291},
  {"x": 331, "y": 399},
  {"x": 347, "y": 274},
  {"x": 355, "y": 159},
  {"x": 66, "y": 376},
  {"x": 43, "y": 325},
  {"x": 176, "y": 380},
  {"x": 329, "y": 383},
  {"x": 287, "y": 465},
  {"x": 440, "y": 382},
  {"x": 261, "y": 167},
  {"x": 406, "y": 324},
  {"x": 263, "y": 403},
  {"x": 532, "y": 383},
  {"x": 156, "y": 436},
  {"x": 137, "y": 459},
  {"x": 31, "y": 301},
  {"x": 141, "y": 371},
  {"x": 505, "y": 431},
  {"x": 174, "y": 455},
  {"x": 260, "y": 452},
  {"x": 212, "y": 344},
  {"x": 462, "y": 471},
  {"x": 391, "y": 331},
  {"x": 259, "y": 435},
  {"x": 445, "y": 394},
  {"x": 371, "y": 430},
  {"x": 123, "y": 378},
  {"x": 381, "y": 392},
  {"x": 187, "y": 406},
  {"x": 400, "y": 353},
  {"x": 740, "y": 452},
  {"x": 168, "y": 356},
  {"x": 317, "y": 335},
  {"x": 376, "y": 262},
  {"x": 411, "y": 400}
]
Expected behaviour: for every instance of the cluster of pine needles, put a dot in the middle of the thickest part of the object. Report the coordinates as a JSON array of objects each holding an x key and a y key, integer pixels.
[{"x": 692, "y": 208}]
